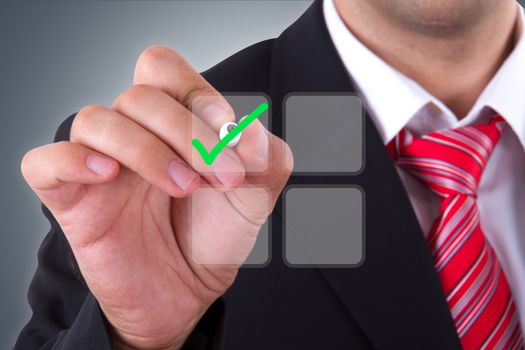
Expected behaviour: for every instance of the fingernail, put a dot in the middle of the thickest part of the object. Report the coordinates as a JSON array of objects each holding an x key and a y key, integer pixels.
[
  {"x": 181, "y": 174},
  {"x": 214, "y": 112},
  {"x": 227, "y": 169},
  {"x": 98, "y": 164}
]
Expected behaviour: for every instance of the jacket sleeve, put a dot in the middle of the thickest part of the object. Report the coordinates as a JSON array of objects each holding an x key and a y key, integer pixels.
[{"x": 67, "y": 316}]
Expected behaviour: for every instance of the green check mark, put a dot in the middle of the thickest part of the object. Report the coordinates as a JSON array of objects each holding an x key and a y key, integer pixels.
[{"x": 210, "y": 157}]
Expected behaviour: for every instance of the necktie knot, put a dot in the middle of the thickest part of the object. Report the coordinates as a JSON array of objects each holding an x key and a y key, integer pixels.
[{"x": 448, "y": 161}]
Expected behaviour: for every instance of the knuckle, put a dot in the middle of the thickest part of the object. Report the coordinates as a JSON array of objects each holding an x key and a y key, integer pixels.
[
  {"x": 155, "y": 52},
  {"x": 149, "y": 152},
  {"x": 150, "y": 58},
  {"x": 287, "y": 159},
  {"x": 30, "y": 160},
  {"x": 27, "y": 164},
  {"x": 199, "y": 98},
  {"x": 132, "y": 96},
  {"x": 60, "y": 146},
  {"x": 84, "y": 118},
  {"x": 42, "y": 155}
]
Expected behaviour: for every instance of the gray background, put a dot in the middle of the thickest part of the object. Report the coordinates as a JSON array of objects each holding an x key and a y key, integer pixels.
[{"x": 56, "y": 57}]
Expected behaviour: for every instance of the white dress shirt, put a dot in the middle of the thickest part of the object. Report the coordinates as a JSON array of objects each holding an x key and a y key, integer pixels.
[{"x": 395, "y": 101}]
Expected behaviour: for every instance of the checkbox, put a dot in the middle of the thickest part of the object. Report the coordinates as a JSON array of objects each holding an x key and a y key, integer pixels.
[
  {"x": 219, "y": 233},
  {"x": 323, "y": 226},
  {"x": 260, "y": 254},
  {"x": 325, "y": 133},
  {"x": 242, "y": 105}
]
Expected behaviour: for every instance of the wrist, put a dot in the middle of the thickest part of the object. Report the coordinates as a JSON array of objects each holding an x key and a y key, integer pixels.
[{"x": 120, "y": 341}]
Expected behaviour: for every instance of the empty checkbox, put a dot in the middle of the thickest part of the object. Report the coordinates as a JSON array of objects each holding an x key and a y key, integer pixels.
[
  {"x": 325, "y": 133},
  {"x": 323, "y": 226}
]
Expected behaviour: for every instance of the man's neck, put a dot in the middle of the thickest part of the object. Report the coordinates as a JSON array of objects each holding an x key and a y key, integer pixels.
[{"x": 456, "y": 67}]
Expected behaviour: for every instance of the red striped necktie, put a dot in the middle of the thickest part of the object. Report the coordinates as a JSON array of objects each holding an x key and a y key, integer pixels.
[{"x": 450, "y": 162}]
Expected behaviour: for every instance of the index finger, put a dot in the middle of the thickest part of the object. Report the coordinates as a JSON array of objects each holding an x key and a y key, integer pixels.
[{"x": 167, "y": 70}]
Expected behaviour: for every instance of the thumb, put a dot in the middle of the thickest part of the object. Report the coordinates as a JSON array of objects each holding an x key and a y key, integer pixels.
[
  {"x": 268, "y": 162},
  {"x": 253, "y": 148}
]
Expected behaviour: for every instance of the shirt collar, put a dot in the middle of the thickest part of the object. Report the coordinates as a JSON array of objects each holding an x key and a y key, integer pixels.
[
  {"x": 506, "y": 91},
  {"x": 393, "y": 99}
]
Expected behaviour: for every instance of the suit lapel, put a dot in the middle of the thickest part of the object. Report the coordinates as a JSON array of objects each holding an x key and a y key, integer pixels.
[{"x": 395, "y": 295}]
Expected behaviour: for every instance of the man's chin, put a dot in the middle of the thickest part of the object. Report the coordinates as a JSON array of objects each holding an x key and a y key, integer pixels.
[{"x": 438, "y": 18}]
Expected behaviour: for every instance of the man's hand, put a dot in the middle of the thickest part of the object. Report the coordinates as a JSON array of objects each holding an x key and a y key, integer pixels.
[{"x": 121, "y": 191}]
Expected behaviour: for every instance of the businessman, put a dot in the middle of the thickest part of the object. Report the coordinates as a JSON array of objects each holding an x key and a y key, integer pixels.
[{"x": 444, "y": 88}]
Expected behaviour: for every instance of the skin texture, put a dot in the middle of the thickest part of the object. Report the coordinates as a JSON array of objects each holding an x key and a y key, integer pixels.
[
  {"x": 121, "y": 189},
  {"x": 130, "y": 225},
  {"x": 451, "y": 48}
]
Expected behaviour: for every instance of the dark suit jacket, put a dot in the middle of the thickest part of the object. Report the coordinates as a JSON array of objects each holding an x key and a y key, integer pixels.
[{"x": 392, "y": 301}]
